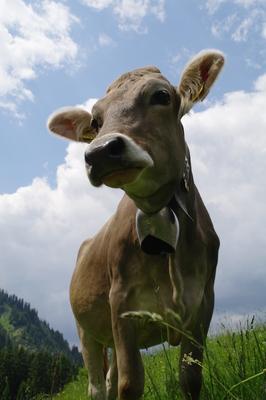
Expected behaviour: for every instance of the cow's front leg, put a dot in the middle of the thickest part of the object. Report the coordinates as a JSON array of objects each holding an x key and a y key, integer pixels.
[
  {"x": 191, "y": 354},
  {"x": 112, "y": 379},
  {"x": 190, "y": 373},
  {"x": 92, "y": 352},
  {"x": 129, "y": 362}
]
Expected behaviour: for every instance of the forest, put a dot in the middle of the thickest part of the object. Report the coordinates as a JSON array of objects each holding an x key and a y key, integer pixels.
[{"x": 34, "y": 358}]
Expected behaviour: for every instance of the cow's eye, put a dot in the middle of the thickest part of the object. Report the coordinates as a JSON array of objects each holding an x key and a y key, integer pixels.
[
  {"x": 161, "y": 97},
  {"x": 96, "y": 124}
]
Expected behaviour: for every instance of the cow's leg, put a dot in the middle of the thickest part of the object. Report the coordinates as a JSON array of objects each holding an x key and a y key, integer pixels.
[
  {"x": 190, "y": 373},
  {"x": 129, "y": 362},
  {"x": 112, "y": 379},
  {"x": 92, "y": 352}
]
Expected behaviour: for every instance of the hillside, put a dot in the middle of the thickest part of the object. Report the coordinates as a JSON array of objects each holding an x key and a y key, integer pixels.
[{"x": 21, "y": 326}]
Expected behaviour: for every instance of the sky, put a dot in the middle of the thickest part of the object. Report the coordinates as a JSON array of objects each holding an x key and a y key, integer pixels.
[{"x": 63, "y": 53}]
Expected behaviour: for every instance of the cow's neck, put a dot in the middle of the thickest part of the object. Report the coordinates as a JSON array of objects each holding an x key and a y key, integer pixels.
[{"x": 159, "y": 232}]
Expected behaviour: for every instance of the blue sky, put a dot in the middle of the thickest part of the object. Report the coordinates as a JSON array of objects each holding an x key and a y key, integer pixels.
[
  {"x": 170, "y": 40},
  {"x": 54, "y": 54}
]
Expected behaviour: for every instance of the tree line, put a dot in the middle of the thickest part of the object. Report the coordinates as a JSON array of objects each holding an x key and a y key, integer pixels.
[
  {"x": 34, "y": 358},
  {"x": 29, "y": 330},
  {"x": 25, "y": 374}
]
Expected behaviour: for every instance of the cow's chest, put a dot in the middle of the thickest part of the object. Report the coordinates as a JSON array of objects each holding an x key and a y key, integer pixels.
[
  {"x": 149, "y": 293},
  {"x": 142, "y": 283}
]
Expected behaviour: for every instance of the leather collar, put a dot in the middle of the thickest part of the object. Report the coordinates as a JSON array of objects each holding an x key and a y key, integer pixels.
[{"x": 180, "y": 195}]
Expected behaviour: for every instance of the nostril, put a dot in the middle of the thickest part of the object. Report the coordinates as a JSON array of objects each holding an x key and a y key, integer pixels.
[
  {"x": 88, "y": 158},
  {"x": 115, "y": 147},
  {"x": 112, "y": 148}
]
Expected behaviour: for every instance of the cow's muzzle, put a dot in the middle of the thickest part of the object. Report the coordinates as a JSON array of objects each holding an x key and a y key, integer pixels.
[{"x": 115, "y": 160}]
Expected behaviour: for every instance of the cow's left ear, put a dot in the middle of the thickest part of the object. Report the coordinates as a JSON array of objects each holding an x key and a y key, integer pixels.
[
  {"x": 198, "y": 77},
  {"x": 72, "y": 123}
]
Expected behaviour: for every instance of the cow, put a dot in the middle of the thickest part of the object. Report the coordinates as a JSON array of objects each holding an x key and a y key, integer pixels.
[{"x": 147, "y": 276}]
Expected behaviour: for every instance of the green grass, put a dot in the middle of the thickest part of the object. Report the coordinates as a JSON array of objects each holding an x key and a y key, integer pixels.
[
  {"x": 75, "y": 390},
  {"x": 234, "y": 369}
]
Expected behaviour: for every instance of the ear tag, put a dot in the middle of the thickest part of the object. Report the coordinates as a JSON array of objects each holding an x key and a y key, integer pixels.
[{"x": 197, "y": 95}]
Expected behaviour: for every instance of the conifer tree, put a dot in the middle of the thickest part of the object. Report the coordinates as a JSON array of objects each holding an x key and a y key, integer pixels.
[
  {"x": 24, "y": 392},
  {"x": 6, "y": 395}
]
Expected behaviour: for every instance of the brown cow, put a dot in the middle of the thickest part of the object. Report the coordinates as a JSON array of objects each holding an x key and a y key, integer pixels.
[{"x": 139, "y": 263}]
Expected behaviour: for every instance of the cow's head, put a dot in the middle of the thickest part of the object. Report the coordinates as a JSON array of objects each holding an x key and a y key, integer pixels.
[{"x": 135, "y": 132}]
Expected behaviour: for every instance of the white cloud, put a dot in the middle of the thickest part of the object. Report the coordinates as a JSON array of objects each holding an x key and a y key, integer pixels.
[
  {"x": 260, "y": 84},
  {"x": 249, "y": 3},
  {"x": 224, "y": 26},
  {"x": 228, "y": 146},
  {"x": 253, "y": 64},
  {"x": 213, "y": 5},
  {"x": 244, "y": 17},
  {"x": 88, "y": 104},
  {"x": 32, "y": 36},
  {"x": 105, "y": 40},
  {"x": 158, "y": 9},
  {"x": 243, "y": 29},
  {"x": 98, "y": 4},
  {"x": 179, "y": 59},
  {"x": 130, "y": 13},
  {"x": 41, "y": 227}
]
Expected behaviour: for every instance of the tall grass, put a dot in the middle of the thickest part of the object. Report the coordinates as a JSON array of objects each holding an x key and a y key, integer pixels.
[
  {"x": 76, "y": 390},
  {"x": 235, "y": 364},
  {"x": 234, "y": 368}
]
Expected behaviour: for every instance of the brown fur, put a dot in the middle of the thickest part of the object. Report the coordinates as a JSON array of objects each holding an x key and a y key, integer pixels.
[{"x": 133, "y": 76}]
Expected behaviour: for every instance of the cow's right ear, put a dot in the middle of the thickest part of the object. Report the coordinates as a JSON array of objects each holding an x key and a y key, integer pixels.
[{"x": 72, "y": 123}]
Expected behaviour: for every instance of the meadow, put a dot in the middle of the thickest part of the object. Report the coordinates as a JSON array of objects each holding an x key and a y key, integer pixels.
[{"x": 234, "y": 368}]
